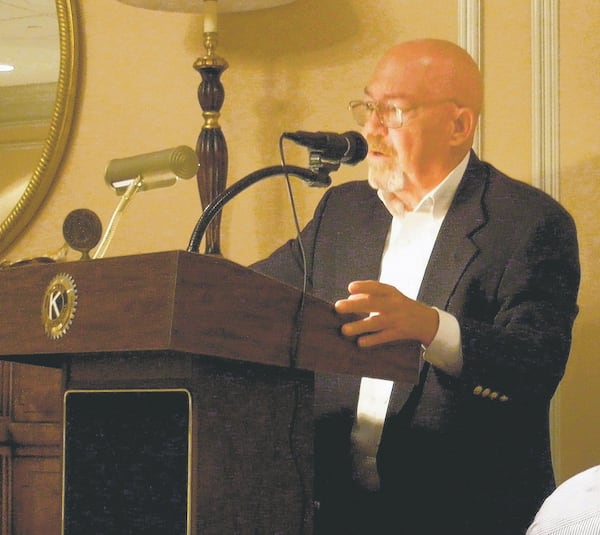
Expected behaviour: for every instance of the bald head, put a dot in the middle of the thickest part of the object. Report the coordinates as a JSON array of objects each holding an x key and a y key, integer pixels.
[
  {"x": 438, "y": 88},
  {"x": 432, "y": 69}
]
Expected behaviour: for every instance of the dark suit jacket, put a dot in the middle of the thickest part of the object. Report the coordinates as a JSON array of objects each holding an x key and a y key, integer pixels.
[{"x": 468, "y": 454}]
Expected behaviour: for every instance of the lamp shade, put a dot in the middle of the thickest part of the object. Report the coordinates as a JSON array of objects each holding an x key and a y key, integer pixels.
[{"x": 197, "y": 6}]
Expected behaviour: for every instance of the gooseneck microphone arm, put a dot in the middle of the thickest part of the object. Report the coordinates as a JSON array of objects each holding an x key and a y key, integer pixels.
[{"x": 318, "y": 179}]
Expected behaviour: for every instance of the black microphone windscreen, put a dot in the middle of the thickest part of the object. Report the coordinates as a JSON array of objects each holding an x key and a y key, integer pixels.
[{"x": 358, "y": 148}]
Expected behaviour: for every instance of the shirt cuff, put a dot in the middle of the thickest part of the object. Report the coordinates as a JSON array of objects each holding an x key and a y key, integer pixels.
[{"x": 445, "y": 350}]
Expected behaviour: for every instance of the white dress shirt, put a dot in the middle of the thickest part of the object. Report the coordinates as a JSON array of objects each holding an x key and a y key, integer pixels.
[
  {"x": 407, "y": 250},
  {"x": 572, "y": 509}
]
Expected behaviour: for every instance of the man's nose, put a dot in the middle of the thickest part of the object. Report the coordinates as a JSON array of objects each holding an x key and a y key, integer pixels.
[{"x": 373, "y": 125}]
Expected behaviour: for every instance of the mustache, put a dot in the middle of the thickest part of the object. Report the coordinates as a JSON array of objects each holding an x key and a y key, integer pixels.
[{"x": 377, "y": 144}]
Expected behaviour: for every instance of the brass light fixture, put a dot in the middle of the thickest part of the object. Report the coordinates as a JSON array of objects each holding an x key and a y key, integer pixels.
[{"x": 211, "y": 146}]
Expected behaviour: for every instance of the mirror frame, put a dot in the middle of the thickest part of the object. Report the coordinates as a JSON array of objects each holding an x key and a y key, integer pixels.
[{"x": 60, "y": 127}]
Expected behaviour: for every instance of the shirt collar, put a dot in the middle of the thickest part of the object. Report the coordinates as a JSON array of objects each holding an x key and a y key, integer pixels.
[{"x": 437, "y": 201}]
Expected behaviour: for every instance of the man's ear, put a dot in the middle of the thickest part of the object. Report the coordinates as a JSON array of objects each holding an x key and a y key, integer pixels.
[{"x": 464, "y": 125}]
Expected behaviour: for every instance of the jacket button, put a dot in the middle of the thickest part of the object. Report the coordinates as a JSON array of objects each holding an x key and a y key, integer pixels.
[{"x": 478, "y": 390}]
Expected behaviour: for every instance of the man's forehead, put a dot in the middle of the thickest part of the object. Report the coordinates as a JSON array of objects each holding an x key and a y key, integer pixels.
[
  {"x": 383, "y": 92},
  {"x": 396, "y": 87}
]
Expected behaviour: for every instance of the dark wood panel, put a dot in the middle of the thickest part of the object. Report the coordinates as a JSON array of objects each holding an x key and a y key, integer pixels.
[
  {"x": 191, "y": 303},
  {"x": 30, "y": 449},
  {"x": 37, "y": 394},
  {"x": 37, "y": 496}
]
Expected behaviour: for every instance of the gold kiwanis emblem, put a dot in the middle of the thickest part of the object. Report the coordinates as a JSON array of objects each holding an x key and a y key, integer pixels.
[{"x": 58, "y": 308}]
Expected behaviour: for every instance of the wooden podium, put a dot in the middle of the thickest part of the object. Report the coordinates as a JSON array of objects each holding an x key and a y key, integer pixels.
[{"x": 188, "y": 389}]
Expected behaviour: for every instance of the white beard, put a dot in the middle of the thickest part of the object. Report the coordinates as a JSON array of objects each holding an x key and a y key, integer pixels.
[{"x": 386, "y": 181}]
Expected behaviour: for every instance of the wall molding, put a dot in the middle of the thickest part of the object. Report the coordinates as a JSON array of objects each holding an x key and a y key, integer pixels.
[
  {"x": 469, "y": 37},
  {"x": 545, "y": 96}
]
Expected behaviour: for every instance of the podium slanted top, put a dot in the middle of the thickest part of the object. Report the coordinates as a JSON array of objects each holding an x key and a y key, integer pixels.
[{"x": 180, "y": 302}]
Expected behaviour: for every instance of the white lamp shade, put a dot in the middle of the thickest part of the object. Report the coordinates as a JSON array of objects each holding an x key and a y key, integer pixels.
[{"x": 197, "y": 6}]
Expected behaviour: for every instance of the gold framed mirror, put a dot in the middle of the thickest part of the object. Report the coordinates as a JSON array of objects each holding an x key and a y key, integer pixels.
[{"x": 35, "y": 114}]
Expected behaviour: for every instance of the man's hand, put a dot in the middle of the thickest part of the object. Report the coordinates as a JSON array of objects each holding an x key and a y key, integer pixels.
[{"x": 391, "y": 315}]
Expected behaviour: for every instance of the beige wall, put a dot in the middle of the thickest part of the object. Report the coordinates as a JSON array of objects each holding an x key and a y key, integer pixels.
[
  {"x": 580, "y": 187},
  {"x": 295, "y": 68}
]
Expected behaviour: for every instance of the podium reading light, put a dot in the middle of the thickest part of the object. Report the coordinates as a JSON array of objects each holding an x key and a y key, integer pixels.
[{"x": 142, "y": 173}]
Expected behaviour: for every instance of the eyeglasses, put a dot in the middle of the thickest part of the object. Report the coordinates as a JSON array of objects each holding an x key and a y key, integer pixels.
[{"x": 389, "y": 115}]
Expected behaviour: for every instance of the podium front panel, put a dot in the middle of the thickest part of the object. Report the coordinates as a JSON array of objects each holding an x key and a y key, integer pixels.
[
  {"x": 251, "y": 443},
  {"x": 127, "y": 462}
]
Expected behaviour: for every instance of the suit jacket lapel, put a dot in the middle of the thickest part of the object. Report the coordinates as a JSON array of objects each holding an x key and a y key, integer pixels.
[
  {"x": 452, "y": 252},
  {"x": 371, "y": 226},
  {"x": 454, "y": 249}
]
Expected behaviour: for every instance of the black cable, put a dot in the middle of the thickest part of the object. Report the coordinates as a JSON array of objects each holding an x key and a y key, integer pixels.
[
  {"x": 295, "y": 342},
  {"x": 321, "y": 179},
  {"x": 317, "y": 176},
  {"x": 300, "y": 310}
]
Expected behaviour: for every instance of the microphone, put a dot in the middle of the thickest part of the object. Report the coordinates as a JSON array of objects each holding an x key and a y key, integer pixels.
[
  {"x": 159, "y": 169},
  {"x": 349, "y": 147}
]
